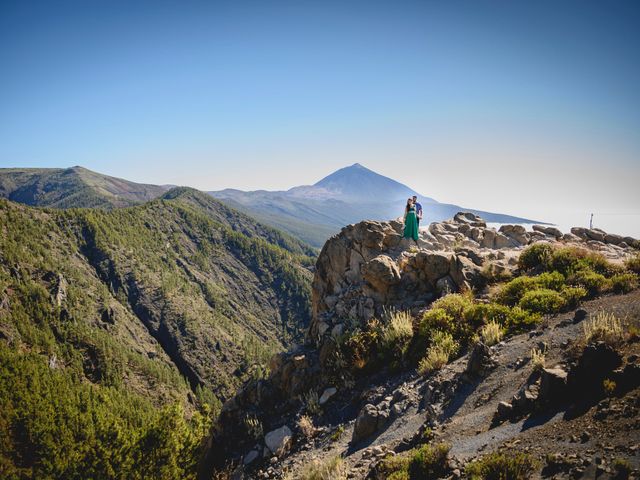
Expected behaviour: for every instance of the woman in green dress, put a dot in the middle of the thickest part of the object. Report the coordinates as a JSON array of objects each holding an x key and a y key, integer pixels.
[{"x": 410, "y": 221}]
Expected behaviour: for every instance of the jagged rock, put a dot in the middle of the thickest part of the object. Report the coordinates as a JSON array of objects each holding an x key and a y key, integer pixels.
[
  {"x": 580, "y": 232},
  {"x": 381, "y": 272},
  {"x": 553, "y": 385},
  {"x": 469, "y": 218},
  {"x": 526, "y": 398},
  {"x": 278, "y": 440},
  {"x": 327, "y": 394},
  {"x": 489, "y": 238},
  {"x": 434, "y": 264},
  {"x": 465, "y": 272},
  {"x": 516, "y": 233},
  {"x": 480, "y": 361},
  {"x": 628, "y": 378},
  {"x": 595, "y": 364},
  {"x": 502, "y": 241},
  {"x": 369, "y": 420},
  {"x": 504, "y": 411},
  {"x": 552, "y": 231},
  {"x": 613, "y": 238}
]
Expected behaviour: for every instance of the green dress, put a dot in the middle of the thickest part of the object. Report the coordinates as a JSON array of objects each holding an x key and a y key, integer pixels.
[{"x": 411, "y": 224}]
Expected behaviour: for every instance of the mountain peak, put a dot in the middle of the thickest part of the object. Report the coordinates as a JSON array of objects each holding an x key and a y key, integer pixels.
[{"x": 357, "y": 182}]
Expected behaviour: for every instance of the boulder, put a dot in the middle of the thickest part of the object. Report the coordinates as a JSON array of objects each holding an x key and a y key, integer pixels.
[
  {"x": 525, "y": 399},
  {"x": 480, "y": 361},
  {"x": 553, "y": 385},
  {"x": 369, "y": 421},
  {"x": 502, "y": 241},
  {"x": 596, "y": 363},
  {"x": 435, "y": 265},
  {"x": 597, "y": 235},
  {"x": 504, "y": 411},
  {"x": 381, "y": 272},
  {"x": 613, "y": 238},
  {"x": 580, "y": 232},
  {"x": 465, "y": 272},
  {"x": 469, "y": 218},
  {"x": 489, "y": 238},
  {"x": 547, "y": 230},
  {"x": 278, "y": 440}
]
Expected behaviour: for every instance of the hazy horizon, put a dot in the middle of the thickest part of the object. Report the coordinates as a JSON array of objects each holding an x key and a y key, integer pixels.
[{"x": 529, "y": 109}]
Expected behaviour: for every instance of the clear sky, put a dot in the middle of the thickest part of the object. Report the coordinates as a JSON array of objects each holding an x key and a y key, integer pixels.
[{"x": 529, "y": 108}]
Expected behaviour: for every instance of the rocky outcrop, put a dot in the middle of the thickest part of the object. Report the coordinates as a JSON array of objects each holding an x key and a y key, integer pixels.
[{"x": 365, "y": 270}]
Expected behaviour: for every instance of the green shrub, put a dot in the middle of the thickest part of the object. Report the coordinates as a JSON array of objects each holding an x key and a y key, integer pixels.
[
  {"x": 443, "y": 347},
  {"x": 436, "y": 319},
  {"x": 535, "y": 256},
  {"x": 521, "y": 320},
  {"x": 512, "y": 292},
  {"x": 426, "y": 461},
  {"x": 551, "y": 280},
  {"x": 482, "y": 313},
  {"x": 573, "y": 295},
  {"x": 454, "y": 304},
  {"x": 568, "y": 260},
  {"x": 429, "y": 461},
  {"x": 624, "y": 282},
  {"x": 594, "y": 283},
  {"x": 448, "y": 314},
  {"x": 501, "y": 466},
  {"x": 542, "y": 300}
]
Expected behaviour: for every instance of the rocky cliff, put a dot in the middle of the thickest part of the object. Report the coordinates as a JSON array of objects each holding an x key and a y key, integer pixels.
[{"x": 363, "y": 275}]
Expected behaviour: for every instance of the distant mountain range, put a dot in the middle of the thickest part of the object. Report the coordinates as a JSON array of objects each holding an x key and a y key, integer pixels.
[
  {"x": 314, "y": 212},
  {"x": 311, "y": 213}
]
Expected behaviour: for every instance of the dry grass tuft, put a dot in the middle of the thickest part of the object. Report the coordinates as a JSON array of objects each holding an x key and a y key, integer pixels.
[
  {"x": 538, "y": 358},
  {"x": 330, "y": 469},
  {"x": 604, "y": 326},
  {"x": 491, "y": 333},
  {"x": 305, "y": 424}
]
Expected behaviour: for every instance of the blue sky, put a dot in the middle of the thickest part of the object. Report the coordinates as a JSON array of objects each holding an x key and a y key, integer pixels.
[{"x": 530, "y": 108}]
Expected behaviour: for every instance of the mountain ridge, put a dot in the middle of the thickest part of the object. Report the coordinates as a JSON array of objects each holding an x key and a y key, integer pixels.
[{"x": 73, "y": 187}]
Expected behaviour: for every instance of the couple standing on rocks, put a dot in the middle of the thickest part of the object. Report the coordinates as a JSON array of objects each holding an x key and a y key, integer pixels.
[{"x": 412, "y": 217}]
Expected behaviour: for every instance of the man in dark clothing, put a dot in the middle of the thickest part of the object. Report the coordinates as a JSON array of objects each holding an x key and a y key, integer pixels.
[{"x": 418, "y": 209}]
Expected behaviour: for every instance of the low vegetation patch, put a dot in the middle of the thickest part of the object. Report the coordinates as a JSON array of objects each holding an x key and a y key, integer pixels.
[
  {"x": 426, "y": 461},
  {"x": 542, "y": 300},
  {"x": 502, "y": 466},
  {"x": 443, "y": 347},
  {"x": 330, "y": 469}
]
